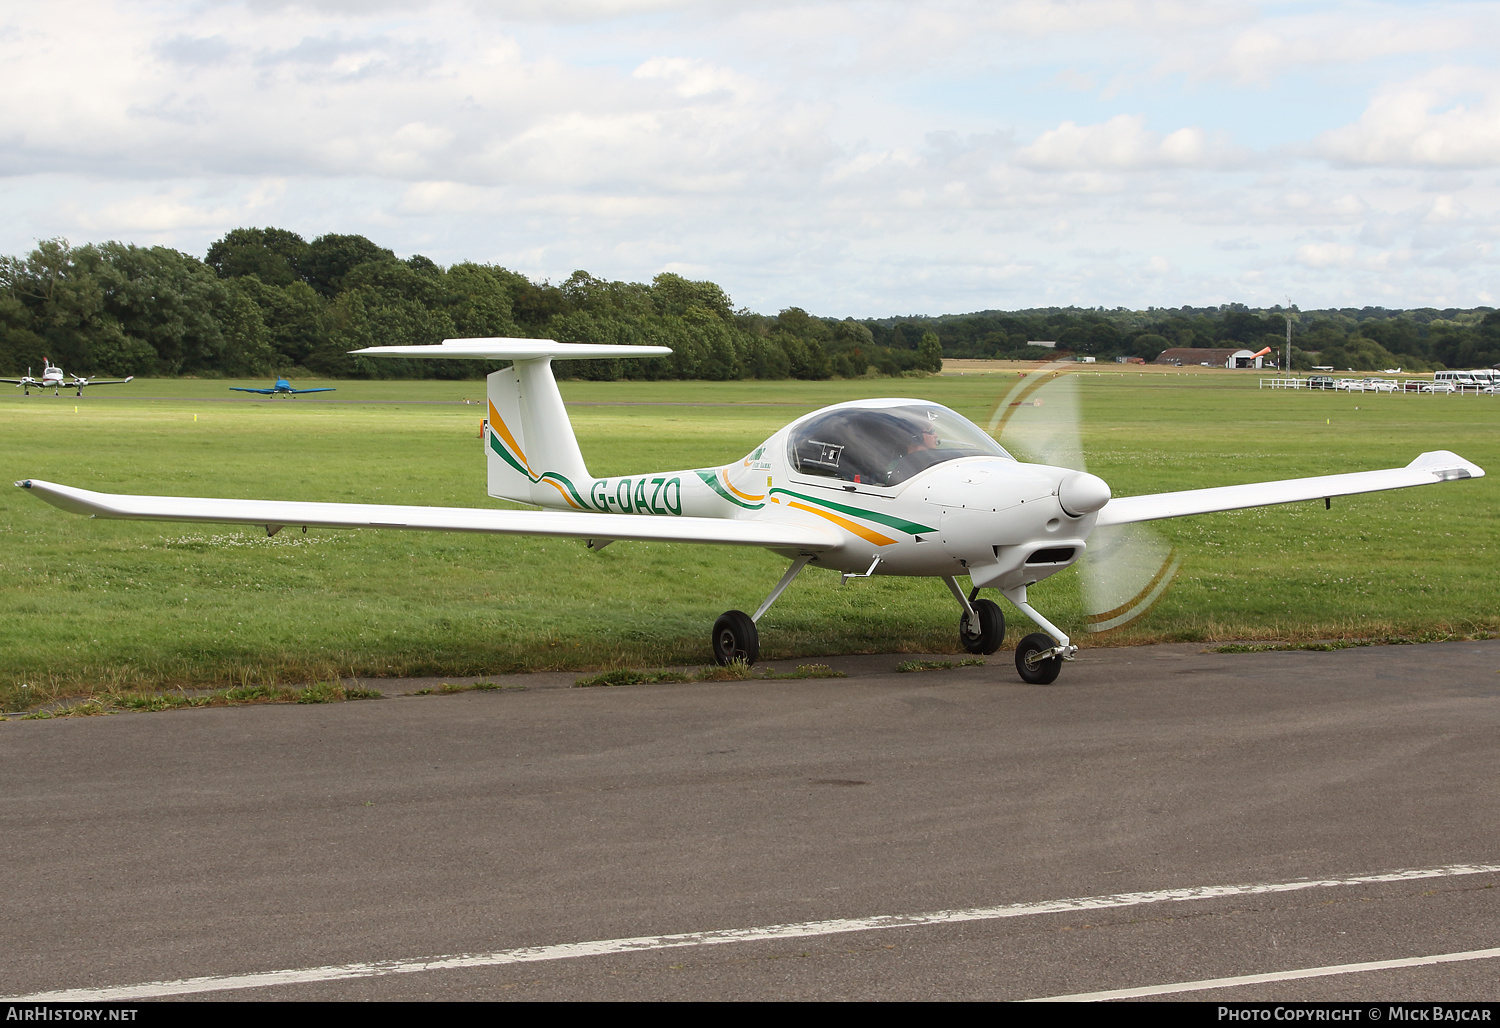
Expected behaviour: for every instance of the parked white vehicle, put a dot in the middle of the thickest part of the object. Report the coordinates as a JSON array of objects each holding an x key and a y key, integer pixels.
[{"x": 1464, "y": 379}]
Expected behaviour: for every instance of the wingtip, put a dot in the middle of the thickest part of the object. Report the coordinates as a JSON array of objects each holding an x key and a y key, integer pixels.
[{"x": 1447, "y": 465}]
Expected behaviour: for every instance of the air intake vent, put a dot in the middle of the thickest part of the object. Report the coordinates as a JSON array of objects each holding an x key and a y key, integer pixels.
[{"x": 1056, "y": 555}]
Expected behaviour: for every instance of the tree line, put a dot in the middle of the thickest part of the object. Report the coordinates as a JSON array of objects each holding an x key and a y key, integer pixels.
[{"x": 267, "y": 301}]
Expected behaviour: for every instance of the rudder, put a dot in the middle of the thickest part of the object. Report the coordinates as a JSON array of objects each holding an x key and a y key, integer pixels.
[{"x": 530, "y": 450}]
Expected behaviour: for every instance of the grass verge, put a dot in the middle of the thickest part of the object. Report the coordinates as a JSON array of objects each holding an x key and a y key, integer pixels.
[
  {"x": 317, "y": 692},
  {"x": 938, "y": 665}
]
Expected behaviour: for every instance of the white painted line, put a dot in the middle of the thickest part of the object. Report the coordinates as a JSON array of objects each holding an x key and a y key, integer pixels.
[
  {"x": 1273, "y": 976},
  {"x": 806, "y": 929}
]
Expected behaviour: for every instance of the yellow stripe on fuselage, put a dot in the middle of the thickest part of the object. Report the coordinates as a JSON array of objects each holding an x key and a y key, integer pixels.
[
  {"x": 564, "y": 492},
  {"x": 849, "y": 526},
  {"x": 743, "y": 496}
]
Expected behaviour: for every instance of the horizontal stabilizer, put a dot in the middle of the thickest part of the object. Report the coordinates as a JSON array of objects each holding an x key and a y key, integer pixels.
[
  {"x": 514, "y": 350},
  {"x": 567, "y": 524},
  {"x": 1429, "y": 468}
]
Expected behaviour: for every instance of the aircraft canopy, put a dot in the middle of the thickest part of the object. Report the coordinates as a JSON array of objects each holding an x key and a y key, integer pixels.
[{"x": 885, "y": 446}]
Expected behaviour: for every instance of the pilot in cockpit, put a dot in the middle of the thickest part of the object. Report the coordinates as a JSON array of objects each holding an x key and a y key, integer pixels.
[
  {"x": 884, "y": 445},
  {"x": 924, "y": 438}
]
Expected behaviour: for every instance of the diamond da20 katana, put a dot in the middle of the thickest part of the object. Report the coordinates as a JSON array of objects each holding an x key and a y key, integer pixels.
[{"x": 869, "y": 487}]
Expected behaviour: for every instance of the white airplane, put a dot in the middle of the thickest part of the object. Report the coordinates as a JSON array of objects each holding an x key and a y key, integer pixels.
[
  {"x": 54, "y": 379},
  {"x": 889, "y": 487}
]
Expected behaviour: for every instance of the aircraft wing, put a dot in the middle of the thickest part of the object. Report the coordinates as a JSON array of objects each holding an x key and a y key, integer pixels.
[
  {"x": 101, "y": 382},
  {"x": 244, "y": 389},
  {"x": 325, "y": 389},
  {"x": 568, "y": 524},
  {"x": 1429, "y": 468},
  {"x": 21, "y": 381}
]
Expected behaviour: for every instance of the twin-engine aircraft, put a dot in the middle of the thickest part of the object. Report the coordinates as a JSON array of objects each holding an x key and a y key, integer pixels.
[
  {"x": 869, "y": 487},
  {"x": 282, "y": 388},
  {"x": 54, "y": 379}
]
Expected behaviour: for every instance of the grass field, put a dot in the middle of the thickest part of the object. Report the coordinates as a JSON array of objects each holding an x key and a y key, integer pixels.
[{"x": 93, "y": 606}]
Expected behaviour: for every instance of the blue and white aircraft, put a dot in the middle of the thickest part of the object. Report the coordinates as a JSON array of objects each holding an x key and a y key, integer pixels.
[{"x": 282, "y": 388}]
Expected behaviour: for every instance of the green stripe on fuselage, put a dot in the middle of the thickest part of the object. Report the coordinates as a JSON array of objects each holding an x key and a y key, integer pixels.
[
  {"x": 563, "y": 479},
  {"x": 711, "y": 479},
  {"x": 900, "y": 524},
  {"x": 505, "y": 454}
]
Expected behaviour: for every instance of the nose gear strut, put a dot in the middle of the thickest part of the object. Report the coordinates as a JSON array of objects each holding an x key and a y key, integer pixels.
[{"x": 1039, "y": 657}]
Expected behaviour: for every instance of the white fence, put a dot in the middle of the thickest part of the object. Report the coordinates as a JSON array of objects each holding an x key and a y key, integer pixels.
[{"x": 1384, "y": 385}]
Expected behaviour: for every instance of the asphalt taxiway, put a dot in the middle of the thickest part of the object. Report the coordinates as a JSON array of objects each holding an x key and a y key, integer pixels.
[{"x": 1159, "y": 816}]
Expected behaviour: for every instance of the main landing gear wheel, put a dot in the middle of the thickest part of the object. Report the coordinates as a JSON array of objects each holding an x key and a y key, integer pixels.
[
  {"x": 1032, "y": 670},
  {"x": 990, "y": 632},
  {"x": 735, "y": 638}
]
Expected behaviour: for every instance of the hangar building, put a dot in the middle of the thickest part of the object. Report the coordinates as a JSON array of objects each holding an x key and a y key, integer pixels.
[{"x": 1214, "y": 357}]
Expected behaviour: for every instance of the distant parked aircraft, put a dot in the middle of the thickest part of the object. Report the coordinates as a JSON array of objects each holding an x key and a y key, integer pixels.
[
  {"x": 282, "y": 388},
  {"x": 54, "y": 379}
]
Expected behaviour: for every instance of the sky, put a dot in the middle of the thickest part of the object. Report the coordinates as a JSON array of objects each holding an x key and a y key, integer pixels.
[{"x": 860, "y": 159}]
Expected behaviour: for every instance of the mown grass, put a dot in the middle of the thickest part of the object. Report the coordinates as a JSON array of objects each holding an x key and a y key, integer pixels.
[{"x": 94, "y": 608}]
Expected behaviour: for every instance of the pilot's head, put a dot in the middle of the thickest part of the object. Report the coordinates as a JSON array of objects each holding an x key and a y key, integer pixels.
[{"x": 926, "y": 439}]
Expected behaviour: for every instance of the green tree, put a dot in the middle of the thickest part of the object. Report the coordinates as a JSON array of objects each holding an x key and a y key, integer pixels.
[
  {"x": 930, "y": 353},
  {"x": 274, "y": 255},
  {"x": 293, "y": 316},
  {"x": 169, "y": 300},
  {"x": 332, "y": 257}
]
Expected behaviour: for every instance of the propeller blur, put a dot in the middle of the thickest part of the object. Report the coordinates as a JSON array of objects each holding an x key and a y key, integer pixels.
[{"x": 869, "y": 487}]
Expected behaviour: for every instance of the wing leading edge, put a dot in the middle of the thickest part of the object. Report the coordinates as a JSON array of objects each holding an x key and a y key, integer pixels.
[
  {"x": 567, "y": 524},
  {"x": 1428, "y": 469}
]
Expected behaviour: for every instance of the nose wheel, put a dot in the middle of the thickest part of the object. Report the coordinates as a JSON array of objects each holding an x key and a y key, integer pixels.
[
  {"x": 1034, "y": 661},
  {"x": 1040, "y": 656}
]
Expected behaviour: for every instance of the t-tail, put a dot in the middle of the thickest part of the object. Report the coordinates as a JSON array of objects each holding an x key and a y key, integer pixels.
[{"x": 531, "y": 451}]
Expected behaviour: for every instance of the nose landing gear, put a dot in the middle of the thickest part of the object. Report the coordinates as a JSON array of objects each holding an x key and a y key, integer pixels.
[{"x": 1040, "y": 655}]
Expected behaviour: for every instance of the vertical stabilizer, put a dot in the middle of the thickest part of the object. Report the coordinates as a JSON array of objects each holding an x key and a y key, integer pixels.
[{"x": 530, "y": 448}]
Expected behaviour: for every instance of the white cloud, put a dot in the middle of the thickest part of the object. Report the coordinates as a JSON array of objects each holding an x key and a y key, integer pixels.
[
  {"x": 1123, "y": 143},
  {"x": 1325, "y": 255},
  {"x": 1449, "y": 117},
  {"x": 1339, "y": 35}
]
